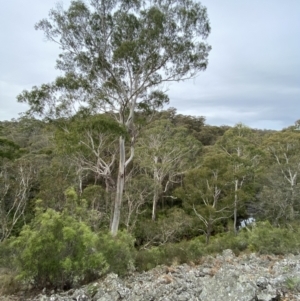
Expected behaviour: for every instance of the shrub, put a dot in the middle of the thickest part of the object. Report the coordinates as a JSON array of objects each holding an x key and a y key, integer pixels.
[
  {"x": 196, "y": 248},
  {"x": 223, "y": 241},
  {"x": 56, "y": 250},
  {"x": 8, "y": 283},
  {"x": 169, "y": 254},
  {"x": 149, "y": 259},
  {"x": 171, "y": 227},
  {"x": 262, "y": 238},
  {"x": 266, "y": 239},
  {"x": 118, "y": 251}
]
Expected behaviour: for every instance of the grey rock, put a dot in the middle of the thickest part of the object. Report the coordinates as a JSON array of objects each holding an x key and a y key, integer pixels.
[
  {"x": 224, "y": 286},
  {"x": 228, "y": 254},
  {"x": 262, "y": 282},
  {"x": 224, "y": 277},
  {"x": 112, "y": 296}
]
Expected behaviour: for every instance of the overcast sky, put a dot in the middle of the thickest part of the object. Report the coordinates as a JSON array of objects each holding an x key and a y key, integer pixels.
[{"x": 253, "y": 74}]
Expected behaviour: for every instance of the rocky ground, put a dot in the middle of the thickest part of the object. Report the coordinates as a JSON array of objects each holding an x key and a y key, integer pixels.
[{"x": 224, "y": 277}]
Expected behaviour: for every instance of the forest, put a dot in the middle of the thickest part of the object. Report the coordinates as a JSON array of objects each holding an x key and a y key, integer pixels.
[
  {"x": 98, "y": 177},
  {"x": 190, "y": 190}
]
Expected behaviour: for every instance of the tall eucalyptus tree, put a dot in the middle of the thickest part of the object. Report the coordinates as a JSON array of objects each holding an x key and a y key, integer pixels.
[
  {"x": 165, "y": 152},
  {"x": 204, "y": 192},
  {"x": 116, "y": 57},
  {"x": 239, "y": 146},
  {"x": 280, "y": 194}
]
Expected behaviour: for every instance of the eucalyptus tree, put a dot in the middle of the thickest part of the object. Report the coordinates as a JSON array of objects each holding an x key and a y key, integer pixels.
[
  {"x": 16, "y": 181},
  {"x": 90, "y": 143},
  {"x": 280, "y": 194},
  {"x": 165, "y": 152},
  {"x": 204, "y": 192},
  {"x": 14, "y": 186},
  {"x": 239, "y": 146},
  {"x": 29, "y": 134},
  {"x": 138, "y": 193},
  {"x": 9, "y": 149},
  {"x": 117, "y": 57}
]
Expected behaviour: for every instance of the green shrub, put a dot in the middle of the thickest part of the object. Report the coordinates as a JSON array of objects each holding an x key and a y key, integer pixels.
[
  {"x": 149, "y": 259},
  {"x": 169, "y": 254},
  {"x": 196, "y": 248},
  {"x": 171, "y": 226},
  {"x": 262, "y": 238},
  {"x": 223, "y": 241},
  {"x": 118, "y": 251},
  {"x": 6, "y": 253},
  {"x": 56, "y": 250},
  {"x": 266, "y": 239}
]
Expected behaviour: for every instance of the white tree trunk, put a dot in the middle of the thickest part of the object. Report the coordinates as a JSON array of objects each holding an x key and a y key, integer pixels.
[
  {"x": 155, "y": 192},
  {"x": 120, "y": 183},
  {"x": 154, "y": 205},
  {"x": 235, "y": 206},
  {"x": 120, "y": 188}
]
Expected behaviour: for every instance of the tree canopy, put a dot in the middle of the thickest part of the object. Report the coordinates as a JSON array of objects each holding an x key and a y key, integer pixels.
[{"x": 116, "y": 54}]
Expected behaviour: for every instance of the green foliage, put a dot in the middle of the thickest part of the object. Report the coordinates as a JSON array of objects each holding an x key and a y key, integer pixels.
[
  {"x": 293, "y": 283},
  {"x": 266, "y": 239},
  {"x": 172, "y": 226},
  {"x": 76, "y": 134},
  {"x": 280, "y": 193},
  {"x": 172, "y": 145},
  {"x": 262, "y": 238},
  {"x": 54, "y": 179},
  {"x": 149, "y": 259},
  {"x": 170, "y": 254},
  {"x": 90, "y": 207},
  {"x": 220, "y": 242},
  {"x": 278, "y": 200},
  {"x": 203, "y": 193},
  {"x": 57, "y": 250},
  {"x": 165, "y": 152},
  {"x": 8, "y": 149},
  {"x": 97, "y": 206},
  {"x": 118, "y": 251},
  {"x": 149, "y": 43}
]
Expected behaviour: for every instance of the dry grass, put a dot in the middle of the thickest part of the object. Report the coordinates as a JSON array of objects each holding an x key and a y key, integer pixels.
[
  {"x": 8, "y": 284},
  {"x": 216, "y": 267},
  {"x": 170, "y": 270},
  {"x": 167, "y": 279}
]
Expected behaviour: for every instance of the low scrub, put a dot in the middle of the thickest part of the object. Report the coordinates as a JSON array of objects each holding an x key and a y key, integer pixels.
[
  {"x": 261, "y": 238},
  {"x": 223, "y": 241},
  {"x": 169, "y": 254},
  {"x": 56, "y": 250},
  {"x": 8, "y": 282},
  {"x": 119, "y": 252},
  {"x": 266, "y": 239}
]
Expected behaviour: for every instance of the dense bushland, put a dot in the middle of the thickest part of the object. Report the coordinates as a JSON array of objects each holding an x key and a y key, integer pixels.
[{"x": 56, "y": 208}]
